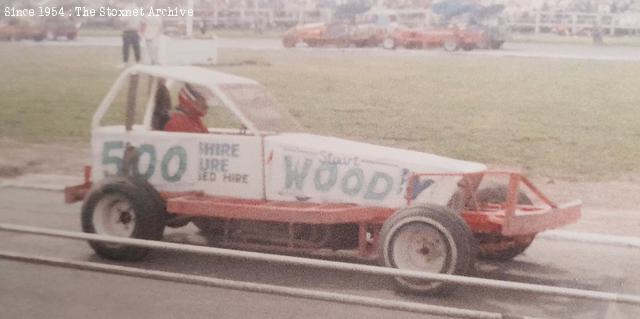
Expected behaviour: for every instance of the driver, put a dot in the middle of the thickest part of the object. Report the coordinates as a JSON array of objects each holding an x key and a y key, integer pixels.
[{"x": 188, "y": 115}]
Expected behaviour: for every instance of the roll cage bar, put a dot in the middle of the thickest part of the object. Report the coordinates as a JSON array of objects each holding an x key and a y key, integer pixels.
[{"x": 206, "y": 78}]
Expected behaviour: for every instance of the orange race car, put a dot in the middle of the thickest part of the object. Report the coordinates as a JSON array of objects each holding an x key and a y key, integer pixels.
[{"x": 450, "y": 38}]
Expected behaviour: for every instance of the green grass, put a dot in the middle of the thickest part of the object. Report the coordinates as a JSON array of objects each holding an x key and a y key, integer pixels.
[
  {"x": 50, "y": 93},
  {"x": 565, "y": 118}
]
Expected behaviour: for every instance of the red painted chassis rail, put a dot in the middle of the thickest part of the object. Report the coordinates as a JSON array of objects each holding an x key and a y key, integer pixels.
[
  {"x": 272, "y": 211},
  {"x": 507, "y": 218}
]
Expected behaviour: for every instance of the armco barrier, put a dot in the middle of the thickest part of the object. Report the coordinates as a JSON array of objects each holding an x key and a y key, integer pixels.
[{"x": 462, "y": 280}]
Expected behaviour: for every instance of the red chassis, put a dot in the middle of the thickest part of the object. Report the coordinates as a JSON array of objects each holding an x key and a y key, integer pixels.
[{"x": 507, "y": 219}]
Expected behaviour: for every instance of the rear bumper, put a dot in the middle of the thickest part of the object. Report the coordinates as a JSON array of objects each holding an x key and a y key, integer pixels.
[{"x": 76, "y": 193}]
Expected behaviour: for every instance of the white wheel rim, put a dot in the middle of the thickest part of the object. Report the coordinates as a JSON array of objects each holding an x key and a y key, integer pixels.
[
  {"x": 388, "y": 43},
  {"x": 404, "y": 251},
  {"x": 450, "y": 45},
  {"x": 419, "y": 246},
  {"x": 114, "y": 216}
]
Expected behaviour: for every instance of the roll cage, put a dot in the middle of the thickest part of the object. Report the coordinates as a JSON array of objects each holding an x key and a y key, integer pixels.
[{"x": 246, "y": 99}]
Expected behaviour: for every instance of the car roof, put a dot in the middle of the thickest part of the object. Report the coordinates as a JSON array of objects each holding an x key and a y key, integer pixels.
[{"x": 190, "y": 74}]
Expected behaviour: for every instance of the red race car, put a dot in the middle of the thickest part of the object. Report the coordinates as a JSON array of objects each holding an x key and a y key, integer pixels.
[{"x": 450, "y": 38}]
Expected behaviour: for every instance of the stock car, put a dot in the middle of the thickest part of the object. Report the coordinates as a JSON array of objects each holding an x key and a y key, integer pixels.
[
  {"x": 30, "y": 29},
  {"x": 449, "y": 38},
  {"x": 19, "y": 29},
  {"x": 370, "y": 30},
  {"x": 266, "y": 184}
]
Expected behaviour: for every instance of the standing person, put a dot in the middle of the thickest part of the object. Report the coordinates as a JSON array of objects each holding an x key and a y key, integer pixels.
[
  {"x": 130, "y": 37},
  {"x": 152, "y": 33},
  {"x": 189, "y": 113},
  {"x": 596, "y": 34}
]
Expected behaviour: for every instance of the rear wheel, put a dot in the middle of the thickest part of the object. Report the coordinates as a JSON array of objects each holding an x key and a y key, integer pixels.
[
  {"x": 209, "y": 225},
  {"x": 123, "y": 207},
  {"x": 389, "y": 44},
  {"x": 502, "y": 248},
  {"x": 450, "y": 44},
  {"x": 427, "y": 238},
  {"x": 495, "y": 44},
  {"x": 497, "y": 247},
  {"x": 289, "y": 42}
]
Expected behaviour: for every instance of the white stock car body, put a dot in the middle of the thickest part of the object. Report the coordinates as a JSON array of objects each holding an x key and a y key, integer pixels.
[
  {"x": 269, "y": 184},
  {"x": 259, "y": 163}
]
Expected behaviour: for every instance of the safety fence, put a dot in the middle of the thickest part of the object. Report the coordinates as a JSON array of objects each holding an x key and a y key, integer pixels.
[
  {"x": 574, "y": 23},
  {"x": 306, "y": 262}
]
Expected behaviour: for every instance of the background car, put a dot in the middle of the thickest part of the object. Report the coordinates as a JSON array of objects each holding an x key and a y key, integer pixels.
[
  {"x": 19, "y": 29},
  {"x": 38, "y": 30},
  {"x": 449, "y": 38},
  {"x": 369, "y": 30},
  {"x": 60, "y": 27}
]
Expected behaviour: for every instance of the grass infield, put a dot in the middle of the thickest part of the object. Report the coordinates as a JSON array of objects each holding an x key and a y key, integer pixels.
[{"x": 566, "y": 118}]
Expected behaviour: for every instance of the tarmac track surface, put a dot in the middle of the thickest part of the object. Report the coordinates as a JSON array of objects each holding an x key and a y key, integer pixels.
[{"x": 36, "y": 291}]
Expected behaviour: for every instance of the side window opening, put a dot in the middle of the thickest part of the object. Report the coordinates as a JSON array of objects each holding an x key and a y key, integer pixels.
[
  {"x": 135, "y": 92},
  {"x": 218, "y": 115}
]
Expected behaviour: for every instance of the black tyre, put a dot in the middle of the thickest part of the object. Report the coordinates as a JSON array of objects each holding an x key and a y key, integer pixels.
[
  {"x": 502, "y": 248},
  {"x": 497, "y": 247},
  {"x": 125, "y": 207},
  {"x": 209, "y": 225},
  {"x": 289, "y": 42},
  {"x": 360, "y": 43},
  {"x": 427, "y": 238},
  {"x": 496, "y": 45}
]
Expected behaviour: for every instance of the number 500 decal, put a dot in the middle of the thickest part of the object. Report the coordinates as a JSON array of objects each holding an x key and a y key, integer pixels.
[{"x": 113, "y": 151}]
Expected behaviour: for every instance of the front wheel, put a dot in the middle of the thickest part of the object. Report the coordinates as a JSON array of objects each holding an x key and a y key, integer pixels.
[
  {"x": 289, "y": 42},
  {"x": 451, "y": 45},
  {"x": 389, "y": 44},
  {"x": 427, "y": 238},
  {"x": 496, "y": 44},
  {"x": 123, "y": 207}
]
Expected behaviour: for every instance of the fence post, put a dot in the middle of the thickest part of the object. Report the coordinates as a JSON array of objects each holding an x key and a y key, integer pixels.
[{"x": 612, "y": 29}]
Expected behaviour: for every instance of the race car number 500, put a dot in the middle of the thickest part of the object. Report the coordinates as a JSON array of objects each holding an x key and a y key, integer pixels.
[{"x": 111, "y": 156}]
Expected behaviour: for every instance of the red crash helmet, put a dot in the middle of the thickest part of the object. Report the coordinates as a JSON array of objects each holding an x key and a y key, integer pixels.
[{"x": 190, "y": 98}]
